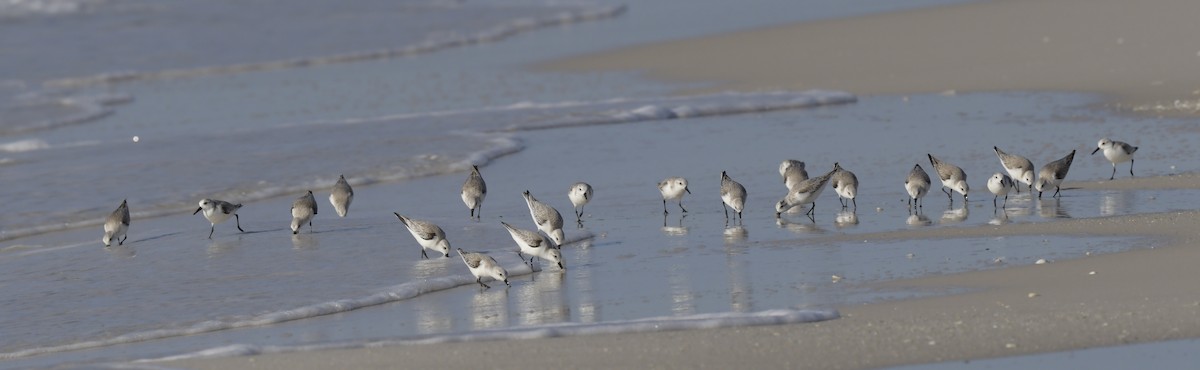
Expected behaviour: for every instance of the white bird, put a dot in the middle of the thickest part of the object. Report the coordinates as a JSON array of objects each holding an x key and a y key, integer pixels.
[
  {"x": 580, "y": 195},
  {"x": 427, "y": 234},
  {"x": 304, "y": 209},
  {"x": 952, "y": 177},
  {"x": 845, "y": 184},
  {"x": 1019, "y": 168},
  {"x": 116, "y": 225},
  {"x": 805, "y": 193},
  {"x": 547, "y": 218},
  {"x": 473, "y": 192},
  {"x": 672, "y": 188},
  {"x": 341, "y": 196},
  {"x": 792, "y": 172},
  {"x": 483, "y": 265},
  {"x": 533, "y": 244},
  {"x": 917, "y": 185},
  {"x": 999, "y": 184},
  {"x": 733, "y": 194},
  {"x": 1116, "y": 152},
  {"x": 218, "y": 211},
  {"x": 1053, "y": 173}
]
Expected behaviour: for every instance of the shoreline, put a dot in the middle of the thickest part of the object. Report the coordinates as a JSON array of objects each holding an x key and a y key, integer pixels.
[
  {"x": 1136, "y": 296},
  {"x": 1136, "y": 56}
]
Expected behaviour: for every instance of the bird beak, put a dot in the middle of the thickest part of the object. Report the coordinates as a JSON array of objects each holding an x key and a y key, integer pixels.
[
  {"x": 198, "y": 210},
  {"x": 561, "y": 266},
  {"x": 506, "y": 282},
  {"x": 1094, "y": 151},
  {"x": 689, "y": 191}
]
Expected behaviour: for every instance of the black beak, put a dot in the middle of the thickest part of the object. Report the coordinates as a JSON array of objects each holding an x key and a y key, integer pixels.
[
  {"x": 1094, "y": 151},
  {"x": 198, "y": 210},
  {"x": 506, "y": 282},
  {"x": 561, "y": 266},
  {"x": 687, "y": 190}
]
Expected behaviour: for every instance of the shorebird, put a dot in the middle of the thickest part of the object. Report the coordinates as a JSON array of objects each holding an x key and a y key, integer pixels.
[
  {"x": 1116, "y": 152},
  {"x": 672, "y": 188},
  {"x": 1053, "y": 173},
  {"x": 427, "y": 234},
  {"x": 999, "y": 184},
  {"x": 482, "y": 265},
  {"x": 547, "y": 218},
  {"x": 534, "y": 245},
  {"x": 806, "y": 192},
  {"x": 473, "y": 192},
  {"x": 218, "y": 211},
  {"x": 341, "y": 196},
  {"x": 580, "y": 195},
  {"x": 304, "y": 209},
  {"x": 116, "y": 225},
  {"x": 845, "y": 184},
  {"x": 917, "y": 185},
  {"x": 793, "y": 172},
  {"x": 733, "y": 195},
  {"x": 1019, "y": 168},
  {"x": 952, "y": 177}
]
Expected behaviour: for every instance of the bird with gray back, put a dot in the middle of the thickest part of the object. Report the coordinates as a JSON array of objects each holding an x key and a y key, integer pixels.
[
  {"x": 218, "y": 211},
  {"x": 733, "y": 195},
  {"x": 673, "y": 188},
  {"x": 1053, "y": 174},
  {"x": 1019, "y": 168},
  {"x": 917, "y": 184},
  {"x": 482, "y": 265},
  {"x": 473, "y": 192},
  {"x": 304, "y": 209},
  {"x": 845, "y": 184},
  {"x": 580, "y": 194},
  {"x": 340, "y": 196},
  {"x": 428, "y": 235},
  {"x": 1116, "y": 152},
  {"x": 952, "y": 177},
  {"x": 806, "y": 192},
  {"x": 116, "y": 225},
  {"x": 534, "y": 245},
  {"x": 547, "y": 218}
]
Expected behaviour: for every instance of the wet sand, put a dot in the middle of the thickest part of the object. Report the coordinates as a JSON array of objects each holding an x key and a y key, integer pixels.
[{"x": 1139, "y": 55}]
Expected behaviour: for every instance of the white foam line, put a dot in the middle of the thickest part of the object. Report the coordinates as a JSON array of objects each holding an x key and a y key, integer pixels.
[
  {"x": 395, "y": 293},
  {"x": 655, "y": 324},
  {"x": 494, "y": 34}
]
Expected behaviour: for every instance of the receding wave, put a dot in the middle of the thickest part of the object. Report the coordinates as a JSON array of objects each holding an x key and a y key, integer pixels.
[
  {"x": 494, "y": 34},
  {"x": 463, "y": 138},
  {"x": 648, "y": 325},
  {"x": 51, "y": 112}
]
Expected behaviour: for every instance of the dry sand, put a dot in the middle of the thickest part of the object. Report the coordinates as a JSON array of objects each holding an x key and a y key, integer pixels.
[
  {"x": 1139, "y": 53},
  {"x": 1143, "y": 54}
]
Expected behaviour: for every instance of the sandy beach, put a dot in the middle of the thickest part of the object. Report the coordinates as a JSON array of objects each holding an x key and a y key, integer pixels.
[{"x": 1141, "y": 56}]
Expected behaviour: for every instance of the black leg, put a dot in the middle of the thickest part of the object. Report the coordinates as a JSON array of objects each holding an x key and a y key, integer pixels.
[
  {"x": 1005, "y": 205},
  {"x": 1056, "y": 190},
  {"x": 994, "y": 200},
  {"x": 210, "y": 231},
  {"x": 664, "y": 208},
  {"x": 855, "y": 201},
  {"x": 681, "y": 206},
  {"x": 238, "y": 220},
  {"x": 423, "y": 255},
  {"x": 1114, "y": 173},
  {"x": 726, "y": 209},
  {"x": 1131, "y": 167},
  {"x": 472, "y": 213}
]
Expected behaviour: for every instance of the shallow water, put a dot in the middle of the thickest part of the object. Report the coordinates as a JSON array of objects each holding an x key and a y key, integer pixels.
[{"x": 396, "y": 127}]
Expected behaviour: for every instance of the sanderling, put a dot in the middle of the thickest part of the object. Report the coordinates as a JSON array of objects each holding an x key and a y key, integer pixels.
[
  {"x": 1053, "y": 173},
  {"x": 806, "y": 192},
  {"x": 1116, "y": 152},
  {"x": 798, "y": 172},
  {"x": 845, "y": 184},
  {"x": 473, "y": 192},
  {"x": 428, "y": 235},
  {"x": 341, "y": 196},
  {"x": 580, "y": 195},
  {"x": 733, "y": 195},
  {"x": 672, "y": 188},
  {"x": 533, "y": 244},
  {"x": 217, "y": 211},
  {"x": 483, "y": 265},
  {"x": 952, "y": 177},
  {"x": 116, "y": 225},
  {"x": 917, "y": 185},
  {"x": 1019, "y": 168},
  {"x": 999, "y": 184},
  {"x": 303, "y": 210},
  {"x": 547, "y": 218}
]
